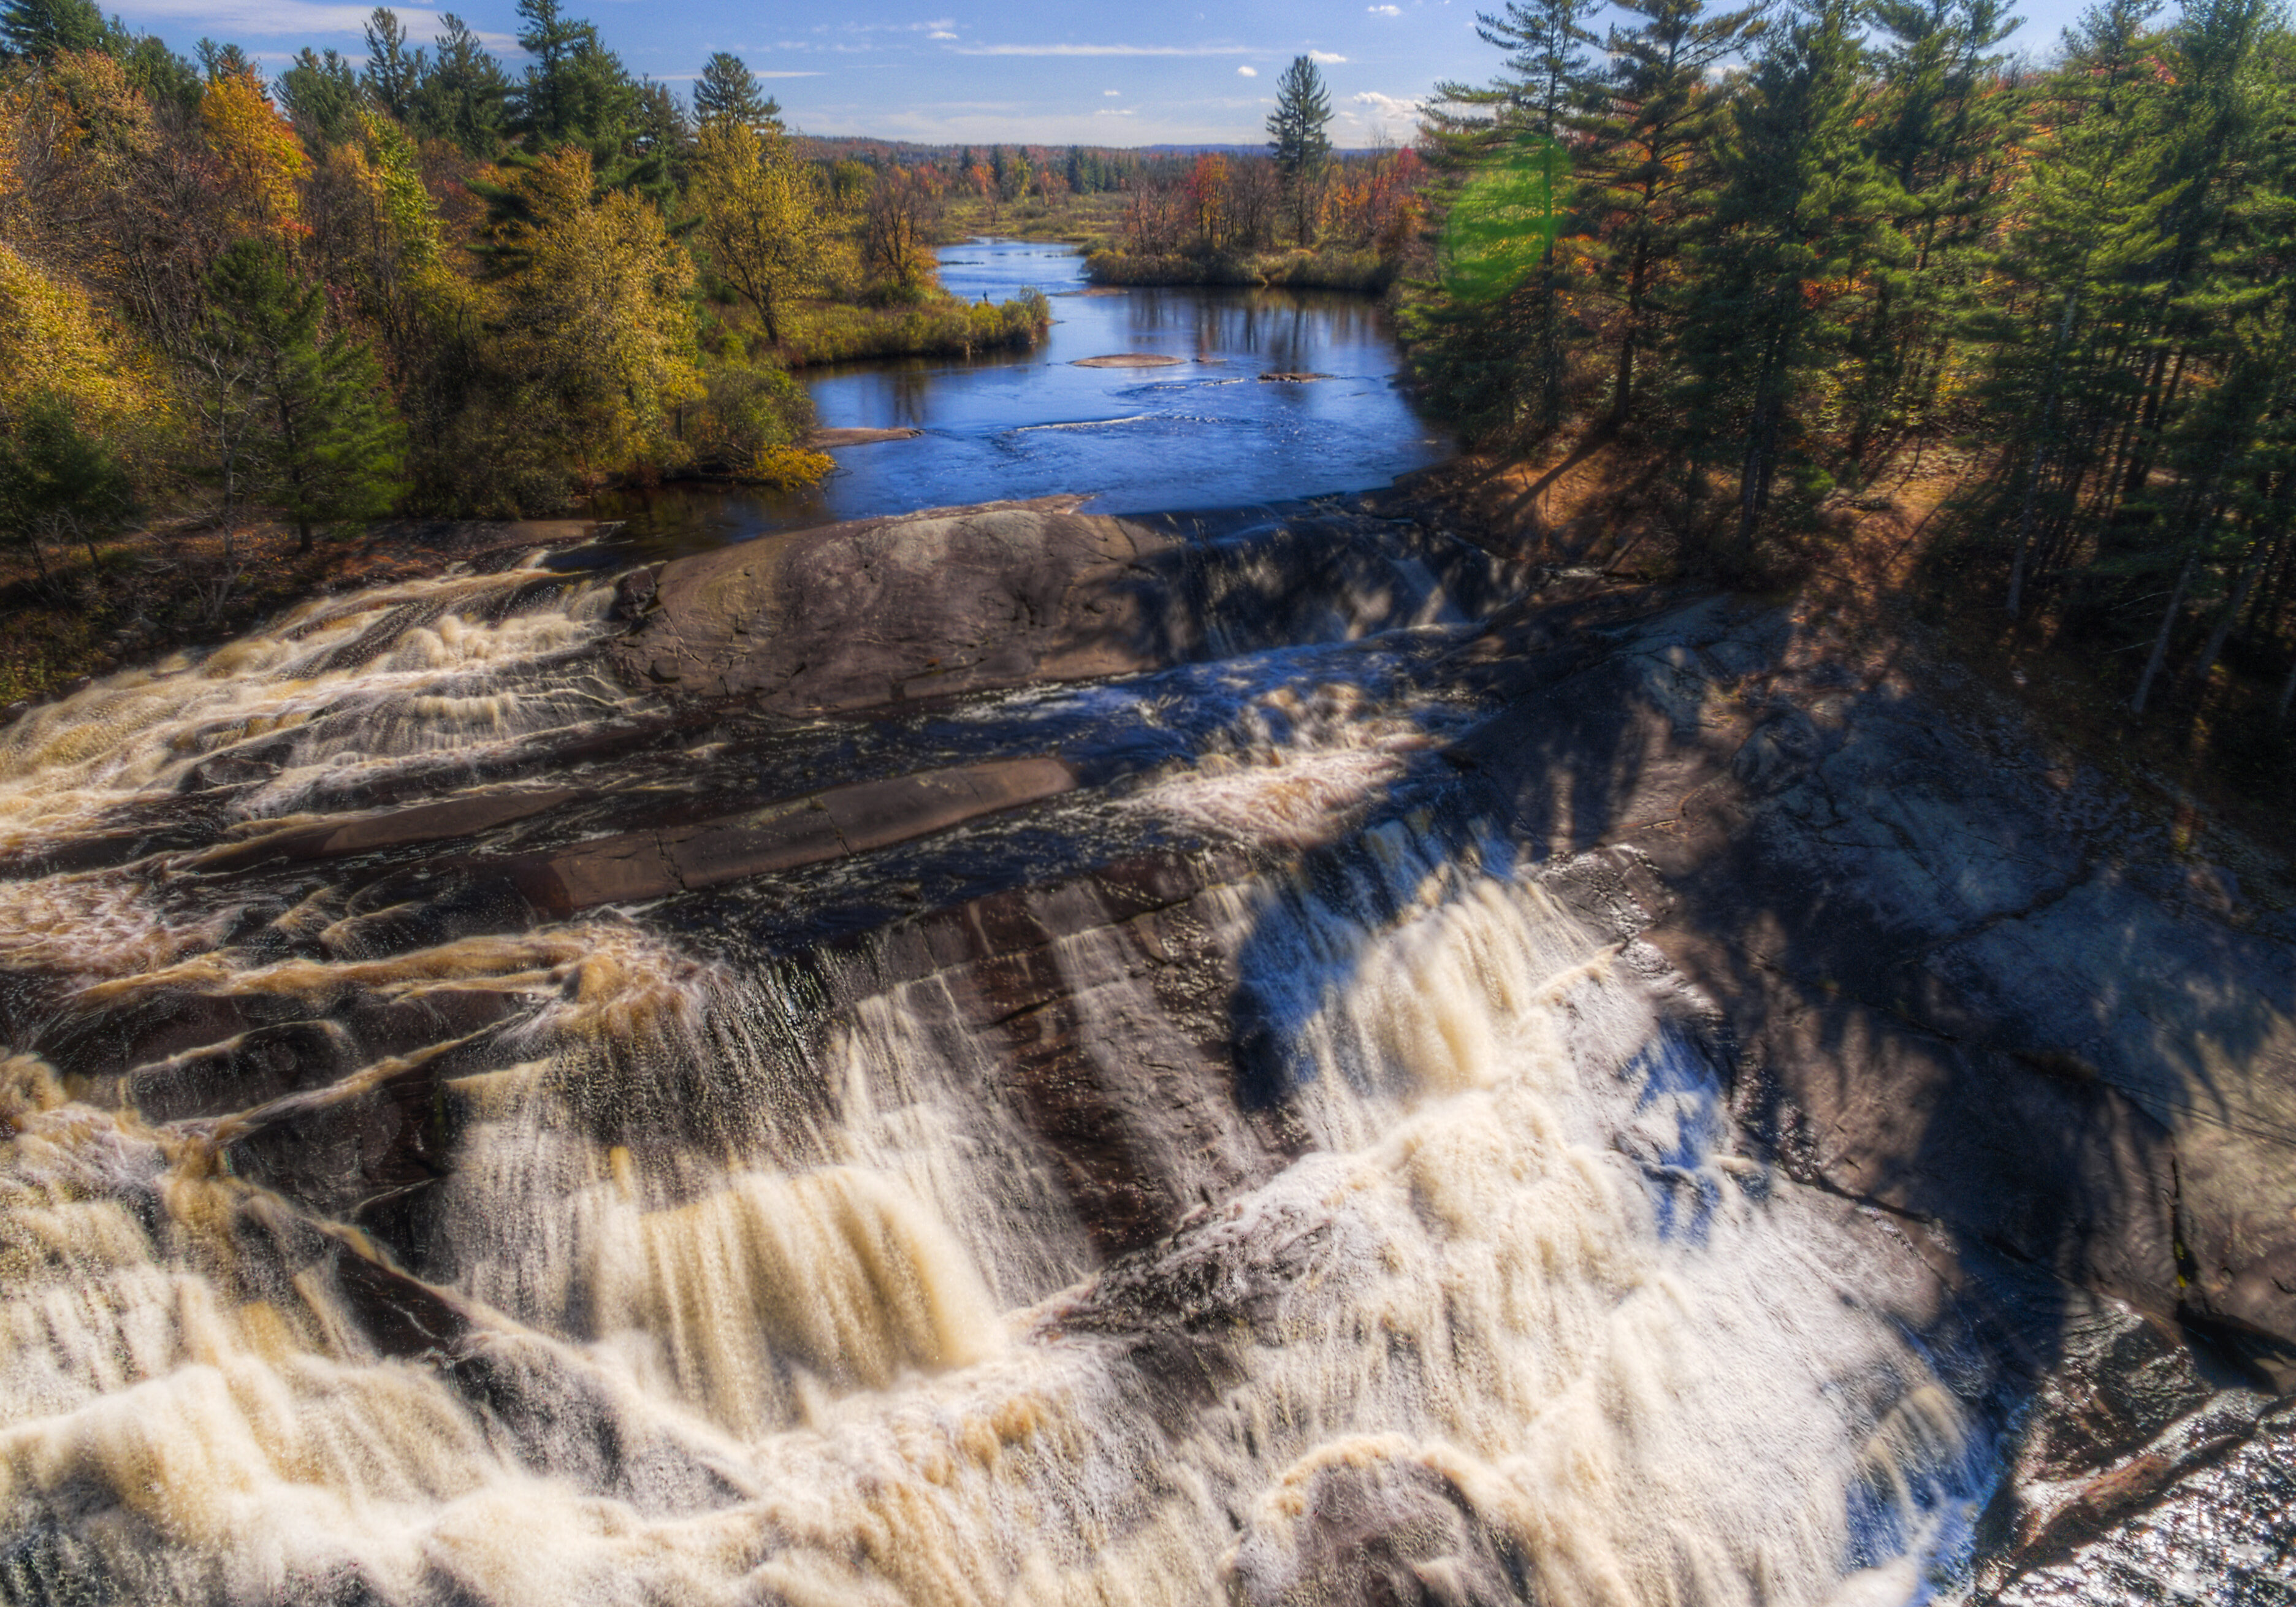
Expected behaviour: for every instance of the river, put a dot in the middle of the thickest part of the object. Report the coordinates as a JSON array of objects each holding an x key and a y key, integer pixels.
[
  {"x": 1205, "y": 432},
  {"x": 1030, "y": 1057}
]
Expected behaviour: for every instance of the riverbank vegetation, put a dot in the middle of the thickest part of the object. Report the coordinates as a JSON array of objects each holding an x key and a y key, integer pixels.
[
  {"x": 413, "y": 284},
  {"x": 1780, "y": 288},
  {"x": 1221, "y": 219}
]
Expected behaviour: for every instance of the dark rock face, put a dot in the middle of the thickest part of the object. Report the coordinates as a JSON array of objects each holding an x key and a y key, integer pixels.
[
  {"x": 1951, "y": 997},
  {"x": 1380, "y": 1529}
]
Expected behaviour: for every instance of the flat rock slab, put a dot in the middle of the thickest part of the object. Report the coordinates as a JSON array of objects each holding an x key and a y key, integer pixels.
[
  {"x": 829, "y": 440},
  {"x": 855, "y": 616},
  {"x": 449, "y": 818},
  {"x": 1129, "y": 359},
  {"x": 636, "y": 866}
]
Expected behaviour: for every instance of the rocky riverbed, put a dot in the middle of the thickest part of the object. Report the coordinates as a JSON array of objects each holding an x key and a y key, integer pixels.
[{"x": 1011, "y": 1055}]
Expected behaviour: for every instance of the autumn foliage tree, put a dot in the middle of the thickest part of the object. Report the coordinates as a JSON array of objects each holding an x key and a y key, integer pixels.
[
  {"x": 259, "y": 161},
  {"x": 761, "y": 222},
  {"x": 898, "y": 221},
  {"x": 598, "y": 329}
]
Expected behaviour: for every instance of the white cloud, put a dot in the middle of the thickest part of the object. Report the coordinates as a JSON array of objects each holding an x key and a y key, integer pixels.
[
  {"x": 1325, "y": 56},
  {"x": 268, "y": 19},
  {"x": 1384, "y": 11},
  {"x": 1249, "y": 72},
  {"x": 940, "y": 33},
  {"x": 1109, "y": 50},
  {"x": 1116, "y": 112},
  {"x": 1112, "y": 91},
  {"x": 1388, "y": 114}
]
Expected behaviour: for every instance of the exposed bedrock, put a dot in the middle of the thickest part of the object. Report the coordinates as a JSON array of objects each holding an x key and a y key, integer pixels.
[
  {"x": 1969, "y": 982},
  {"x": 490, "y": 1049},
  {"x": 856, "y": 616}
]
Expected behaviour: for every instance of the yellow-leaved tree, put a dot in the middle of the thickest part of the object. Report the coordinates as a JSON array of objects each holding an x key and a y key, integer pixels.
[
  {"x": 762, "y": 219},
  {"x": 55, "y": 342},
  {"x": 260, "y": 161},
  {"x": 374, "y": 229},
  {"x": 598, "y": 329}
]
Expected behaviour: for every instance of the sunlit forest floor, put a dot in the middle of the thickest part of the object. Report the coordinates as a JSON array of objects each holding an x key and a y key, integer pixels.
[{"x": 1880, "y": 573}]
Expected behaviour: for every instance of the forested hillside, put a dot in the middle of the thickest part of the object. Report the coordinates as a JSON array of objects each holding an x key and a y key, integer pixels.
[
  {"x": 416, "y": 283},
  {"x": 1782, "y": 250}
]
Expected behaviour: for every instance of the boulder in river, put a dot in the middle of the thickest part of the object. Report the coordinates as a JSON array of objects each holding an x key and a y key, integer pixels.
[{"x": 855, "y": 615}]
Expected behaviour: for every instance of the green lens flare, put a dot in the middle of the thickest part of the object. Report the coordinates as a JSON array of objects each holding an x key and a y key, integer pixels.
[{"x": 1505, "y": 221}]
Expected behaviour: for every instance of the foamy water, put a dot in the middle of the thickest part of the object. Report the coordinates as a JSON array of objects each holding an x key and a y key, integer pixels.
[{"x": 743, "y": 1277}]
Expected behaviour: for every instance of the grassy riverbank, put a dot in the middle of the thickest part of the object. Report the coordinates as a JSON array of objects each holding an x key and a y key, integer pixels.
[
  {"x": 1089, "y": 222},
  {"x": 1325, "y": 268},
  {"x": 941, "y": 325}
]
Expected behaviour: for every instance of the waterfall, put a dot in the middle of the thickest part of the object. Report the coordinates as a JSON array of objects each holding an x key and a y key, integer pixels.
[{"x": 1328, "y": 1209}]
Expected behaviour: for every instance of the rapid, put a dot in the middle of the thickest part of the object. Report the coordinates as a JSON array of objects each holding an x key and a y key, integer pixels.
[{"x": 1270, "y": 1180}]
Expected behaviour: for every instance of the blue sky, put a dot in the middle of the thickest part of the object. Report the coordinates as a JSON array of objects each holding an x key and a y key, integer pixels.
[{"x": 1050, "y": 70}]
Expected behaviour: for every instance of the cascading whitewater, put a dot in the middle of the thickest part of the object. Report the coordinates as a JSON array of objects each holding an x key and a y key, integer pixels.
[{"x": 930, "y": 1265}]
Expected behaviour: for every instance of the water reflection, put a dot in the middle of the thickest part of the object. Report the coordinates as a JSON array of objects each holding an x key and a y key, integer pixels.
[{"x": 1207, "y": 433}]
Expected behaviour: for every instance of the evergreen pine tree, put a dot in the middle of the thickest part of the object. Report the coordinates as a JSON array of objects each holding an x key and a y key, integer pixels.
[
  {"x": 2068, "y": 277},
  {"x": 464, "y": 98},
  {"x": 325, "y": 445},
  {"x": 160, "y": 75},
  {"x": 1939, "y": 138},
  {"x": 576, "y": 90},
  {"x": 321, "y": 95},
  {"x": 727, "y": 91},
  {"x": 37, "y": 29},
  {"x": 2219, "y": 109},
  {"x": 1521, "y": 122},
  {"x": 57, "y": 482},
  {"x": 1297, "y": 139},
  {"x": 1648, "y": 177},
  {"x": 394, "y": 74},
  {"x": 1799, "y": 207}
]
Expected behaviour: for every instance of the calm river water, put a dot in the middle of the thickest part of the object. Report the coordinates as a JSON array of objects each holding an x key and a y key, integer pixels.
[{"x": 1207, "y": 433}]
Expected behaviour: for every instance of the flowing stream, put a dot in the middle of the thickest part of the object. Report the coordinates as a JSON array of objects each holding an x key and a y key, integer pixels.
[
  {"x": 1248, "y": 1169},
  {"x": 1203, "y": 431}
]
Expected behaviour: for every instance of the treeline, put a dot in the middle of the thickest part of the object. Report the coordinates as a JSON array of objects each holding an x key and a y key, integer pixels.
[
  {"x": 1015, "y": 171},
  {"x": 1351, "y": 219},
  {"x": 1218, "y": 204},
  {"x": 1786, "y": 245},
  {"x": 416, "y": 281}
]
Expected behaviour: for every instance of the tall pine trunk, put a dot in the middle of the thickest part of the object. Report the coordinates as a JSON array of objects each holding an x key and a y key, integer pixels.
[{"x": 2168, "y": 628}]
